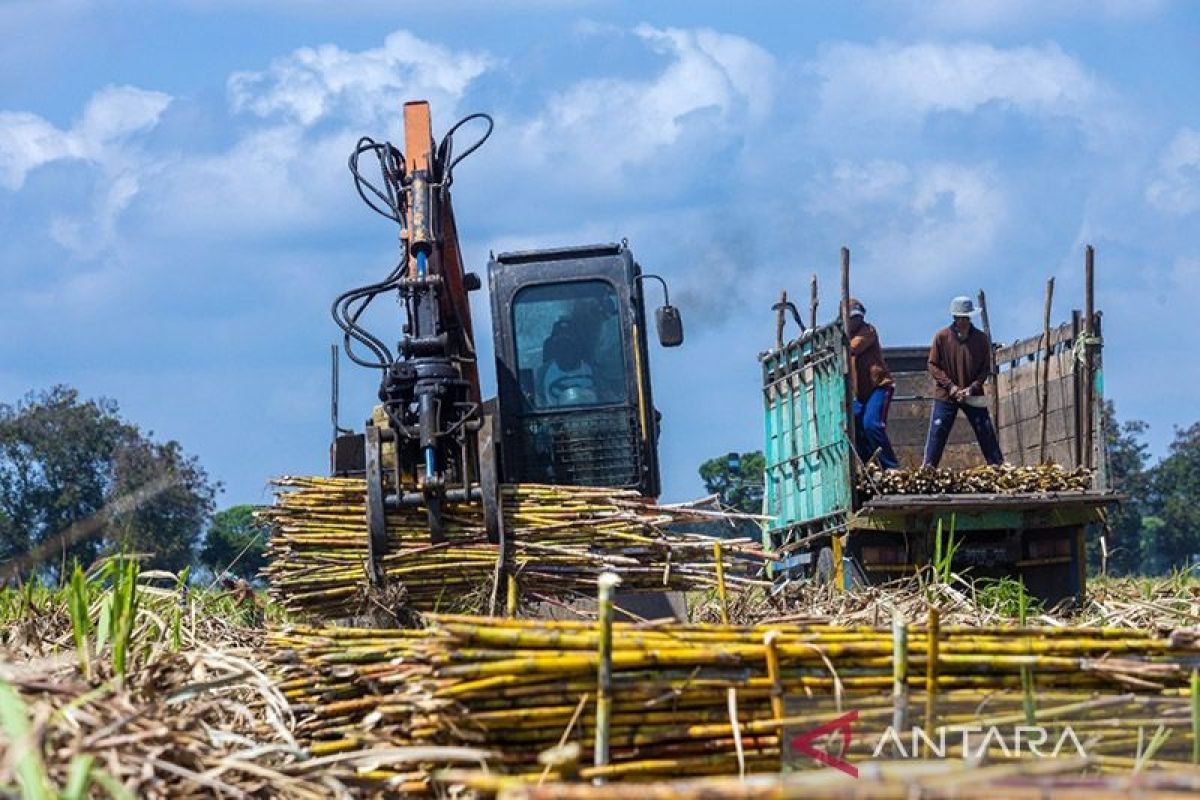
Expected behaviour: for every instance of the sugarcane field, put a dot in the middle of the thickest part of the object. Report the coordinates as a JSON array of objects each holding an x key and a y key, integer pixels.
[{"x": 732, "y": 403}]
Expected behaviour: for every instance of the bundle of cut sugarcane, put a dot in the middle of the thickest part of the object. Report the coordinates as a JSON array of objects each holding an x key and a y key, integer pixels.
[
  {"x": 520, "y": 687},
  {"x": 929, "y": 779},
  {"x": 563, "y": 537},
  {"x": 984, "y": 479}
]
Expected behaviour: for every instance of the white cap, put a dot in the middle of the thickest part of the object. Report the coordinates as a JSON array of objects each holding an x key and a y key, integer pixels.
[{"x": 962, "y": 306}]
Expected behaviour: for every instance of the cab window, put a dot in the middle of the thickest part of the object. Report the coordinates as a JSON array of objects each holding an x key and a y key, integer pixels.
[{"x": 569, "y": 345}]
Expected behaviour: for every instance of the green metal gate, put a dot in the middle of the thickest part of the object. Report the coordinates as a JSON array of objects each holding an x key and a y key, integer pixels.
[{"x": 808, "y": 458}]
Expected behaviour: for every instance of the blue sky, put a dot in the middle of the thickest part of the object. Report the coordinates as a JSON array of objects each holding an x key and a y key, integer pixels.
[{"x": 176, "y": 214}]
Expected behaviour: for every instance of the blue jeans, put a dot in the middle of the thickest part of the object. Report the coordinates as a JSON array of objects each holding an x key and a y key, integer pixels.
[
  {"x": 870, "y": 423},
  {"x": 941, "y": 421}
]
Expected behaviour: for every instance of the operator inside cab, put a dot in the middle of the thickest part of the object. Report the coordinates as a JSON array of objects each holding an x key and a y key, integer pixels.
[
  {"x": 569, "y": 378},
  {"x": 569, "y": 345}
]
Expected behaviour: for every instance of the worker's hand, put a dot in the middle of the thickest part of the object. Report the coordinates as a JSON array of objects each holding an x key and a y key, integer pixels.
[{"x": 956, "y": 394}]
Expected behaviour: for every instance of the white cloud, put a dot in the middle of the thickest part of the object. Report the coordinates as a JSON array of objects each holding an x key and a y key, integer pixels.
[
  {"x": 980, "y": 15},
  {"x": 916, "y": 226},
  {"x": 1176, "y": 187},
  {"x": 26, "y": 142},
  {"x": 714, "y": 84},
  {"x": 313, "y": 83},
  {"x": 894, "y": 85},
  {"x": 111, "y": 116},
  {"x": 90, "y": 235},
  {"x": 269, "y": 180}
]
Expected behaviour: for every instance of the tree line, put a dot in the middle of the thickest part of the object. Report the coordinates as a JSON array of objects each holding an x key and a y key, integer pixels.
[
  {"x": 1157, "y": 528},
  {"x": 78, "y": 481}
]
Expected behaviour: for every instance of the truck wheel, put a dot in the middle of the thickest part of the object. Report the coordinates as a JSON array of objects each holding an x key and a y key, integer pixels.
[{"x": 824, "y": 570}]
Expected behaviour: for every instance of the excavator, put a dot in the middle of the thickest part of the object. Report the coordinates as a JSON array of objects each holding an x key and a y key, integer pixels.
[{"x": 573, "y": 401}]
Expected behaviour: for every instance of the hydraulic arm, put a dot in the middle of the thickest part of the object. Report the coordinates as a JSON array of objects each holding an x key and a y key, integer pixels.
[{"x": 421, "y": 447}]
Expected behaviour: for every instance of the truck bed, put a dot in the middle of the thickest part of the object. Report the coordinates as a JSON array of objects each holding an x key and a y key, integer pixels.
[
  {"x": 1013, "y": 501},
  {"x": 982, "y": 512}
]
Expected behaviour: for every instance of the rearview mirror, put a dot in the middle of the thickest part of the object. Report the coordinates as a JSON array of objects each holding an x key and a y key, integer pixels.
[{"x": 670, "y": 326}]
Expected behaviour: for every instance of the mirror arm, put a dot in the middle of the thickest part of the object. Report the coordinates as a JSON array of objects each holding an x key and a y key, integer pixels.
[{"x": 659, "y": 278}]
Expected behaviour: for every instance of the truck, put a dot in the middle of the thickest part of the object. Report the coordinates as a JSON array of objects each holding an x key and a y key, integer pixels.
[{"x": 822, "y": 527}]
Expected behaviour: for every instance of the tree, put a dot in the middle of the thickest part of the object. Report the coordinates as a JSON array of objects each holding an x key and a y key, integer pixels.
[
  {"x": 737, "y": 478},
  {"x": 1174, "y": 499},
  {"x": 1127, "y": 459},
  {"x": 64, "y": 460},
  {"x": 180, "y": 501},
  {"x": 235, "y": 541},
  {"x": 55, "y": 452}
]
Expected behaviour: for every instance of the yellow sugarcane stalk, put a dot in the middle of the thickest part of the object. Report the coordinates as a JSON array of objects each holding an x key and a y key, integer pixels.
[{"x": 607, "y": 582}]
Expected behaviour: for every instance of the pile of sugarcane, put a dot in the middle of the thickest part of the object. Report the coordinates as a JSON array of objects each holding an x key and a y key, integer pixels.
[
  {"x": 984, "y": 479},
  {"x": 696, "y": 700},
  {"x": 563, "y": 538},
  {"x": 925, "y": 779},
  {"x": 196, "y": 724}
]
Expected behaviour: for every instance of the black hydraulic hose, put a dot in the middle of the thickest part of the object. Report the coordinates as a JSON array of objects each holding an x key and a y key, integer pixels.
[
  {"x": 446, "y": 148},
  {"x": 347, "y": 317},
  {"x": 387, "y": 200},
  {"x": 390, "y": 160}
]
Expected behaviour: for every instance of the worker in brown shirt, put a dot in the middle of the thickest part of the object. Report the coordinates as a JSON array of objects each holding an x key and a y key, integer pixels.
[
  {"x": 960, "y": 362},
  {"x": 873, "y": 387}
]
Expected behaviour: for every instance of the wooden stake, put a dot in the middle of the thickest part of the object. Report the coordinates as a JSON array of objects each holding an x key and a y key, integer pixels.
[
  {"x": 845, "y": 311},
  {"x": 1089, "y": 376},
  {"x": 850, "y": 430},
  {"x": 1044, "y": 400},
  {"x": 994, "y": 384},
  {"x": 779, "y": 319},
  {"x": 812, "y": 303}
]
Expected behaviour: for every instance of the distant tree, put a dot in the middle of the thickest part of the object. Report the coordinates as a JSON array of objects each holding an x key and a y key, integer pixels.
[
  {"x": 169, "y": 523},
  {"x": 235, "y": 541},
  {"x": 1128, "y": 456},
  {"x": 1174, "y": 498},
  {"x": 64, "y": 459},
  {"x": 55, "y": 466},
  {"x": 737, "y": 478}
]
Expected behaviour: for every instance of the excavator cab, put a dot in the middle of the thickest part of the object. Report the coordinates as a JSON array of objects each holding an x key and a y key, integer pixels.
[{"x": 572, "y": 367}]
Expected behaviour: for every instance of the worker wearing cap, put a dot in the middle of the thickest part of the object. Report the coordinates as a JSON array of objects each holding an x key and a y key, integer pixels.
[
  {"x": 960, "y": 362},
  {"x": 873, "y": 387}
]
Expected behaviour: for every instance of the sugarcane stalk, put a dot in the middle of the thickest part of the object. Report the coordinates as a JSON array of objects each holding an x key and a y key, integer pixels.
[
  {"x": 931, "y": 669},
  {"x": 1195, "y": 693},
  {"x": 607, "y": 582},
  {"x": 1028, "y": 697},
  {"x": 899, "y": 673},
  {"x": 772, "y": 659},
  {"x": 512, "y": 595},
  {"x": 720, "y": 567}
]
